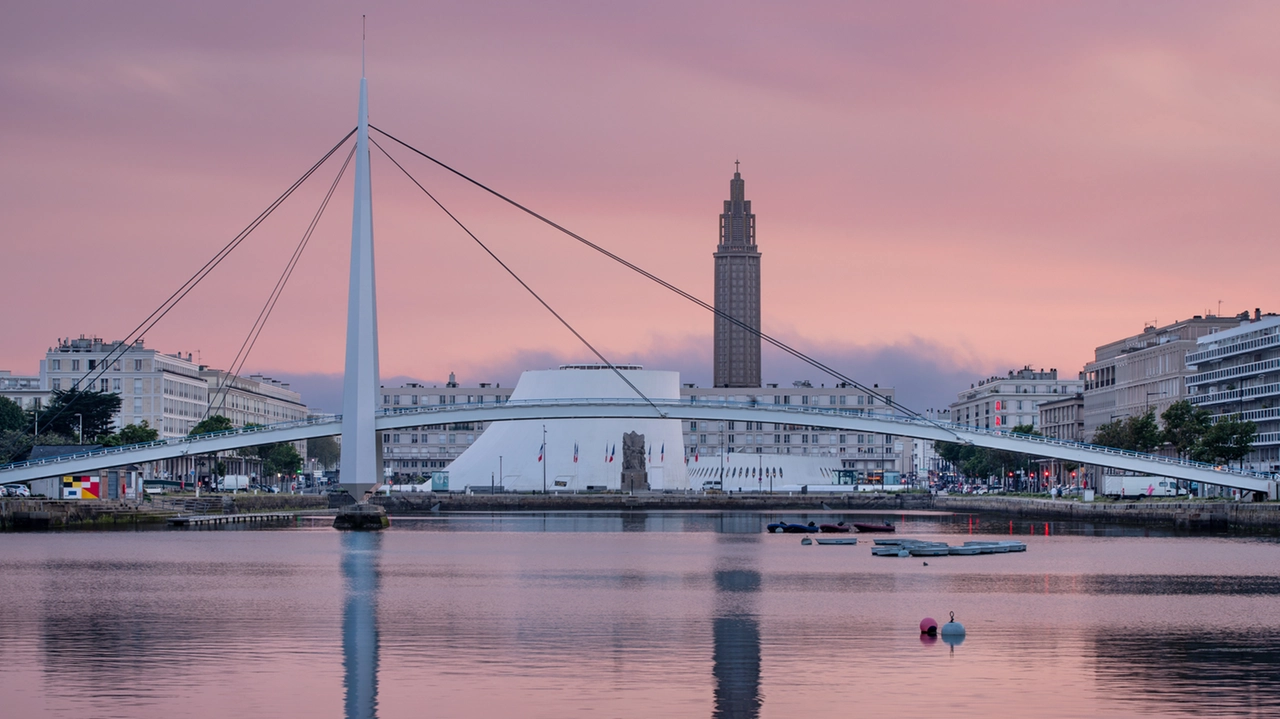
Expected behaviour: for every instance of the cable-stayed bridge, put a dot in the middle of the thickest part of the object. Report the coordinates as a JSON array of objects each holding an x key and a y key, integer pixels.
[
  {"x": 362, "y": 420},
  {"x": 633, "y": 408}
]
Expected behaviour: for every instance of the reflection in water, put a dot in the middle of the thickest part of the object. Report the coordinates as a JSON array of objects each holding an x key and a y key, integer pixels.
[
  {"x": 736, "y": 630},
  {"x": 360, "y": 623},
  {"x": 1207, "y": 672}
]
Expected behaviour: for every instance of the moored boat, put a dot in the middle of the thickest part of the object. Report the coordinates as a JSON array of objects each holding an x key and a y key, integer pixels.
[
  {"x": 886, "y": 527},
  {"x": 836, "y": 540},
  {"x": 835, "y": 528}
]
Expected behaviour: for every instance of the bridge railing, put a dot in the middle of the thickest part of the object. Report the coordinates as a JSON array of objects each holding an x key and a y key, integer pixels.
[
  {"x": 843, "y": 412},
  {"x": 801, "y": 411},
  {"x": 171, "y": 441}
]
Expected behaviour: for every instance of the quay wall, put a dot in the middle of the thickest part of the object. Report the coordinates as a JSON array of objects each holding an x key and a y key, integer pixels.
[
  {"x": 20, "y": 513},
  {"x": 1184, "y": 515}
]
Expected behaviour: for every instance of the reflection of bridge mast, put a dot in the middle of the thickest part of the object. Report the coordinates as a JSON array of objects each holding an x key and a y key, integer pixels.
[
  {"x": 360, "y": 624},
  {"x": 735, "y": 631}
]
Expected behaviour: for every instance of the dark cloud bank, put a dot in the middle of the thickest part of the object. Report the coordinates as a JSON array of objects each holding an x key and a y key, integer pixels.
[{"x": 925, "y": 375}]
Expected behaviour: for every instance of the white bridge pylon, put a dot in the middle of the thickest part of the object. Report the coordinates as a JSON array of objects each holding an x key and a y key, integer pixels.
[{"x": 841, "y": 420}]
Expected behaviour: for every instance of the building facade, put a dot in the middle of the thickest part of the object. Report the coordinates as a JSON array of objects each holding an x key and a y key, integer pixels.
[
  {"x": 1063, "y": 418},
  {"x": 1237, "y": 371},
  {"x": 254, "y": 399},
  {"x": 422, "y": 450},
  {"x": 1146, "y": 371},
  {"x": 853, "y": 451},
  {"x": 737, "y": 293},
  {"x": 165, "y": 390},
  {"x": 1013, "y": 400},
  {"x": 26, "y": 391},
  {"x": 419, "y": 451}
]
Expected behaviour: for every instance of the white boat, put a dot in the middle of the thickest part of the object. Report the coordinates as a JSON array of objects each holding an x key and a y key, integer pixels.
[
  {"x": 964, "y": 550},
  {"x": 836, "y": 540},
  {"x": 928, "y": 550}
]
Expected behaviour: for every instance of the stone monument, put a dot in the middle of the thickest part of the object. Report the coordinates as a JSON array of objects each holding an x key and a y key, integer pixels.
[{"x": 634, "y": 475}]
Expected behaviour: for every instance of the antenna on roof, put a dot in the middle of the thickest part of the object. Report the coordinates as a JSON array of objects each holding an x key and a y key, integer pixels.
[{"x": 362, "y": 26}]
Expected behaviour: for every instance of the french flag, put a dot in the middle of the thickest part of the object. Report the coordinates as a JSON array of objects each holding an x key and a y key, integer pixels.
[
  {"x": 650, "y": 454},
  {"x": 541, "y": 451},
  {"x": 612, "y": 452},
  {"x": 575, "y": 452},
  {"x": 662, "y": 456}
]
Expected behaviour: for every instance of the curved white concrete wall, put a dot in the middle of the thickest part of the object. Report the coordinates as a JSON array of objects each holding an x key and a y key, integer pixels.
[
  {"x": 518, "y": 442},
  {"x": 753, "y": 472}
]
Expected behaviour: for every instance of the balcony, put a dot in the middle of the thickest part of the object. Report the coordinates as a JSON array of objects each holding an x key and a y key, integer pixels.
[
  {"x": 1245, "y": 345},
  {"x": 1244, "y": 370},
  {"x": 1236, "y": 395}
]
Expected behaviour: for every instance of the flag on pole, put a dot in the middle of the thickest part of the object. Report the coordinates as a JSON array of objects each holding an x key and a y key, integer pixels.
[
  {"x": 541, "y": 451},
  {"x": 612, "y": 452},
  {"x": 575, "y": 452},
  {"x": 662, "y": 456},
  {"x": 651, "y": 454},
  {"x": 695, "y": 455}
]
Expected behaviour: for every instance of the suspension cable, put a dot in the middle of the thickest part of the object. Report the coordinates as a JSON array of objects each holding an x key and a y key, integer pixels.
[
  {"x": 523, "y": 284},
  {"x": 673, "y": 288},
  {"x": 242, "y": 356},
  {"x": 185, "y": 288}
]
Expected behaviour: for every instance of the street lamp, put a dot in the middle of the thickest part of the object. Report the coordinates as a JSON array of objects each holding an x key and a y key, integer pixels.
[{"x": 80, "y": 428}]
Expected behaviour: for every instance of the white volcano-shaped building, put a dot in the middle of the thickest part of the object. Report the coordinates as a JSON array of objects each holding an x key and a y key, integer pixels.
[{"x": 580, "y": 454}]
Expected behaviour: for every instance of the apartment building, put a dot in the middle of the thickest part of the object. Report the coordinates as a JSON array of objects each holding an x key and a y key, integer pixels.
[
  {"x": 1237, "y": 371},
  {"x": 1145, "y": 371},
  {"x": 1007, "y": 402}
]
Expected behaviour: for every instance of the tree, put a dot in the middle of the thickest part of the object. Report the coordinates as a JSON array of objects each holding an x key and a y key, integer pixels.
[
  {"x": 1229, "y": 439},
  {"x": 1184, "y": 425},
  {"x": 132, "y": 434},
  {"x": 12, "y": 418},
  {"x": 1137, "y": 434},
  {"x": 211, "y": 424},
  {"x": 279, "y": 458},
  {"x": 97, "y": 409},
  {"x": 1144, "y": 433},
  {"x": 324, "y": 450}
]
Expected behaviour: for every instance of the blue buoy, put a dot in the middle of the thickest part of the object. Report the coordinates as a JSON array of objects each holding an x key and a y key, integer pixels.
[{"x": 952, "y": 628}]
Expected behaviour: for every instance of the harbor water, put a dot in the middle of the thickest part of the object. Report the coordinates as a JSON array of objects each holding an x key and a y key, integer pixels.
[{"x": 619, "y": 614}]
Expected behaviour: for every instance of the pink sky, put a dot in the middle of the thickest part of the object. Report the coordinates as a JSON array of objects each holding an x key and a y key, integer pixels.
[{"x": 986, "y": 185}]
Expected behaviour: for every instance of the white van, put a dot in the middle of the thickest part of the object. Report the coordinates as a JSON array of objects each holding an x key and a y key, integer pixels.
[{"x": 1139, "y": 486}]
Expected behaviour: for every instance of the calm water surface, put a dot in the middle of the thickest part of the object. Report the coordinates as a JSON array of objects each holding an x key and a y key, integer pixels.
[{"x": 634, "y": 615}]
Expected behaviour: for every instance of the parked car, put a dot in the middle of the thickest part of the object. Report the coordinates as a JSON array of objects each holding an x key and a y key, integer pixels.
[{"x": 17, "y": 490}]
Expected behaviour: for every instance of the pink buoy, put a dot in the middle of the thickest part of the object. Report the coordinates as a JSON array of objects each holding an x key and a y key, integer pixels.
[{"x": 928, "y": 626}]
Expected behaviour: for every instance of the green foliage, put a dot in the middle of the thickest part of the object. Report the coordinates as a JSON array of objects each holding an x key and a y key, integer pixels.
[
  {"x": 982, "y": 463},
  {"x": 12, "y": 418},
  {"x": 96, "y": 408},
  {"x": 1137, "y": 434},
  {"x": 1227, "y": 440},
  {"x": 324, "y": 450},
  {"x": 14, "y": 445},
  {"x": 1184, "y": 425},
  {"x": 279, "y": 458},
  {"x": 210, "y": 424},
  {"x": 131, "y": 434}
]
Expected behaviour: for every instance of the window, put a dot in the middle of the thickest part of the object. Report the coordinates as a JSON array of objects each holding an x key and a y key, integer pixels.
[
  {"x": 137, "y": 365},
  {"x": 786, "y": 439},
  {"x": 415, "y": 399},
  {"x": 93, "y": 364},
  {"x": 395, "y": 399},
  {"x": 731, "y": 425},
  {"x": 731, "y": 437},
  {"x": 861, "y": 399},
  {"x": 413, "y": 439},
  {"x": 75, "y": 365},
  {"x": 104, "y": 385},
  {"x": 386, "y": 438},
  {"x": 843, "y": 397},
  {"x": 55, "y": 365},
  {"x": 843, "y": 437},
  {"x": 453, "y": 439},
  {"x": 395, "y": 439},
  {"x": 777, "y": 439},
  {"x": 693, "y": 426},
  {"x": 386, "y": 399},
  {"x": 57, "y": 383},
  {"x": 703, "y": 439},
  {"x": 804, "y": 399},
  {"x": 115, "y": 385}
]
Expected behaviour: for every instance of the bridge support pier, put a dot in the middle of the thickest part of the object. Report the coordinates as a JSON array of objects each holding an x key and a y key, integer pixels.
[{"x": 361, "y": 516}]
